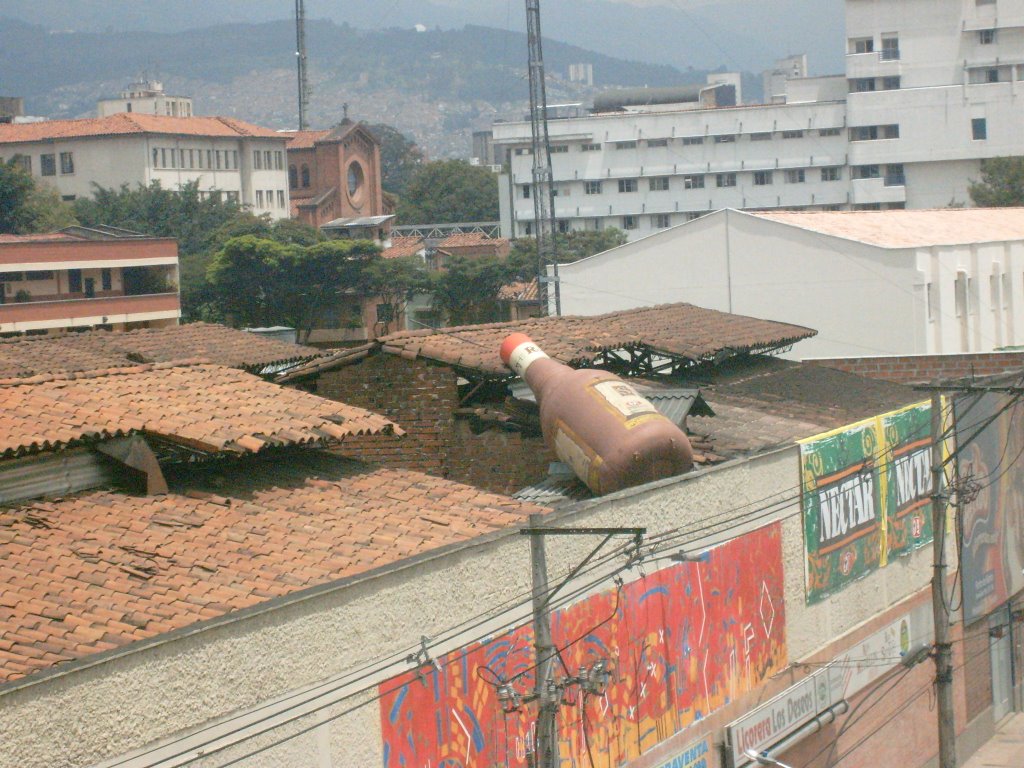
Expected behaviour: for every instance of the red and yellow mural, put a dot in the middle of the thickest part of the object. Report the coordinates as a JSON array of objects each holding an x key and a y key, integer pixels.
[{"x": 682, "y": 641}]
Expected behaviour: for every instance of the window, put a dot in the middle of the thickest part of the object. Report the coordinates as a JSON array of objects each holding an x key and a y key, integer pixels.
[
  {"x": 305, "y": 176},
  {"x": 962, "y": 294},
  {"x": 691, "y": 140},
  {"x": 257, "y": 160},
  {"x": 218, "y": 158},
  {"x": 268, "y": 159},
  {"x": 278, "y": 160},
  {"x": 630, "y": 222},
  {"x": 866, "y": 172},
  {"x": 191, "y": 158},
  {"x": 762, "y": 178},
  {"x": 795, "y": 176},
  {"x": 259, "y": 198},
  {"x": 74, "y": 281},
  {"x": 657, "y": 142},
  {"x": 163, "y": 158},
  {"x": 42, "y": 274},
  {"x": 627, "y": 185},
  {"x": 931, "y": 295},
  {"x": 792, "y": 134},
  {"x": 524, "y": 151},
  {"x": 563, "y": 225},
  {"x": 68, "y": 198},
  {"x": 862, "y": 84},
  {"x": 293, "y": 177},
  {"x": 986, "y": 36},
  {"x": 559, "y": 148},
  {"x": 24, "y": 162},
  {"x": 590, "y": 148},
  {"x": 874, "y": 132},
  {"x": 173, "y": 153},
  {"x": 992, "y": 75},
  {"x": 234, "y": 158},
  {"x": 106, "y": 281},
  {"x": 659, "y": 183},
  {"x": 625, "y": 145},
  {"x": 232, "y": 197},
  {"x": 890, "y": 47},
  {"x": 979, "y": 129},
  {"x": 861, "y": 45},
  {"x": 693, "y": 182},
  {"x": 48, "y": 165},
  {"x": 829, "y": 131},
  {"x": 725, "y": 138},
  {"x": 525, "y": 191},
  {"x": 725, "y": 180},
  {"x": 209, "y": 158},
  {"x": 156, "y": 157},
  {"x": 831, "y": 174},
  {"x": 891, "y": 83},
  {"x": 280, "y": 198},
  {"x": 385, "y": 313},
  {"x": 592, "y": 187},
  {"x": 661, "y": 221},
  {"x": 894, "y": 175},
  {"x": 761, "y": 136}
]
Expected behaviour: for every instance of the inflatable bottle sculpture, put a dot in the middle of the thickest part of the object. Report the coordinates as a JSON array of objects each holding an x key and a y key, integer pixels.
[{"x": 597, "y": 423}]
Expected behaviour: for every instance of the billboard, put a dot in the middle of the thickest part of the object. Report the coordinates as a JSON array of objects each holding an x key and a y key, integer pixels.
[
  {"x": 683, "y": 641},
  {"x": 865, "y": 494},
  {"x": 992, "y": 556}
]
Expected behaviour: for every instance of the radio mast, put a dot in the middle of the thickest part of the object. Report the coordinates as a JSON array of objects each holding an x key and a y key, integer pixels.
[
  {"x": 542, "y": 188},
  {"x": 300, "y": 58}
]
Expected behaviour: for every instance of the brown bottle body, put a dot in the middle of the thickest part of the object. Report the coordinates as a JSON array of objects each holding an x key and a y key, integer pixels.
[{"x": 597, "y": 424}]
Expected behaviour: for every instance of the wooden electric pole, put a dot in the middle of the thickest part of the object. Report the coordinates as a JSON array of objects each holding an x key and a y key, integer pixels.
[{"x": 547, "y": 709}]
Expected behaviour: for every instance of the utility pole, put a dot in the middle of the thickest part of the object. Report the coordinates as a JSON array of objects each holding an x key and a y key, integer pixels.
[
  {"x": 547, "y": 709},
  {"x": 542, "y": 187},
  {"x": 940, "y": 608},
  {"x": 300, "y": 57}
]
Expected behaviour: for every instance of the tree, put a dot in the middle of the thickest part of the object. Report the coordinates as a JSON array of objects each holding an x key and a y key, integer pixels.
[
  {"x": 569, "y": 247},
  {"x": 399, "y": 158},
  {"x": 395, "y": 282},
  {"x": 27, "y": 207},
  {"x": 447, "y": 191},
  {"x": 467, "y": 292},
  {"x": 1002, "y": 183},
  {"x": 260, "y": 282}
]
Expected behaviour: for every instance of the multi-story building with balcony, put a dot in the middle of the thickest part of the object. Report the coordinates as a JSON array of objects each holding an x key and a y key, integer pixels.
[
  {"x": 931, "y": 88},
  {"x": 83, "y": 278},
  {"x": 224, "y": 156}
]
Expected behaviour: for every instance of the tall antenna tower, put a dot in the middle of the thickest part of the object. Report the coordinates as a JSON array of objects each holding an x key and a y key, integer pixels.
[
  {"x": 543, "y": 189},
  {"x": 300, "y": 58}
]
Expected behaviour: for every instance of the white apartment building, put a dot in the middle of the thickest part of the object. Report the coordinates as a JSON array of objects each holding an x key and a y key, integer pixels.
[
  {"x": 229, "y": 157},
  {"x": 931, "y": 88},
  {"x": 148, "y": 97}
]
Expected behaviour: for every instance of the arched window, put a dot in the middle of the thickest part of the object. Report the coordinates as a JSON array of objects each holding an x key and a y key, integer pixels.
[
  {"x": 293, "y": 177},
  {"x": 305, "y": 176}
]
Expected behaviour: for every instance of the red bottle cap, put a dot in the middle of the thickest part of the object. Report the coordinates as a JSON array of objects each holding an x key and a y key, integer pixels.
[{"x": 510, "y": 343}]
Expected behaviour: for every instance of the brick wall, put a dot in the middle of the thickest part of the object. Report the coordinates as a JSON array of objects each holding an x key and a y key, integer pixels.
[
  {"x": 977, "y": 669},
  {"x": 421, "y": 398},
  {"x": 914, "y": 369}
]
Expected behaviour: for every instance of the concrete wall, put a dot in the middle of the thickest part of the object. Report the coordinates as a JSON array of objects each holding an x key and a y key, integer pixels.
[
  {"x": 915, "y": 369},
  {"x": 132, "y": 699}
]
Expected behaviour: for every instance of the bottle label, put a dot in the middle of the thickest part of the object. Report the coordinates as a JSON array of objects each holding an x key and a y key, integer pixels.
[
  {"x": 523, "y": 355},
  {"x": 624, "y": 400},
  {"x": 574, "y": 452}
]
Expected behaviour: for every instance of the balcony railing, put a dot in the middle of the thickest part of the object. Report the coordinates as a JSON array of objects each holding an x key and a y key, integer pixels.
[
  {"x": 895, "y": 180},
  {"x": 114, "y": 308},
  {"x": 890, "y": 54}
]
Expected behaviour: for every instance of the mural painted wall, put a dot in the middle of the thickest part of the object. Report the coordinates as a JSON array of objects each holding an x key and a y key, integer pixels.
[
  {"x": 683, "y": 641},
  {"x": 865, "y": 491}
]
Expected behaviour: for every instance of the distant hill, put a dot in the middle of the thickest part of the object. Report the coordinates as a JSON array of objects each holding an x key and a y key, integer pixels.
[{"x": 435, "y": 85}]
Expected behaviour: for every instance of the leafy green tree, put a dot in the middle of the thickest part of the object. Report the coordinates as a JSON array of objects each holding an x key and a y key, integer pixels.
[
  {"x": 467, "y": 291},
  {"x": 1002, "y": 183},
  {"x": 569, "y": 247},
  {"x": 261, "y": 282},
  {"x": 27, "y": 207},
  {"x": 399, "y": 157},
  {"x": 447, "y": 191},
  {"x": 395, "y": 282}
]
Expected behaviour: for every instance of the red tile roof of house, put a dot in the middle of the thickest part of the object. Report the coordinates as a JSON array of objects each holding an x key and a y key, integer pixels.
[
  {"x": 96, "y": 350},
  {"x": 41, "y": 238},
  {"x": 208, "y": 408},
  {"x": 126, "y": 123},
  {"x": 102, "y": 570},
  {"x": 520, "y": 291},
  {"x": 403, "y": 246},
  {"x": 304, "y": 139}
]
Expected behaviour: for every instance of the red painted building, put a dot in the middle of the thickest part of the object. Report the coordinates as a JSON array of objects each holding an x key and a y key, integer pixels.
[{"x": 80, "y": 278}]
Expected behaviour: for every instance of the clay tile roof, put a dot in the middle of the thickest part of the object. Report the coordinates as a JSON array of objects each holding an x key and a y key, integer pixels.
[
  {"x": 675, "y": 330},
  {"x": 203, "y": 407},
  {"x": 457, "y": 239},
  {"x": 93, "y": 350},
  {"x": 132, "y": 123},
  {"x": 102, "y": 570},
  {"x": 403, "y": 246},
  {"x": 303, "y": 139},
  {"x": 520, "y": 291},
  {"x": 910, "y": 228}
]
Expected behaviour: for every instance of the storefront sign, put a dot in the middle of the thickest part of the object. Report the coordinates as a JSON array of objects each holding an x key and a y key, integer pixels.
[{"x": 694, "y": 755}]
